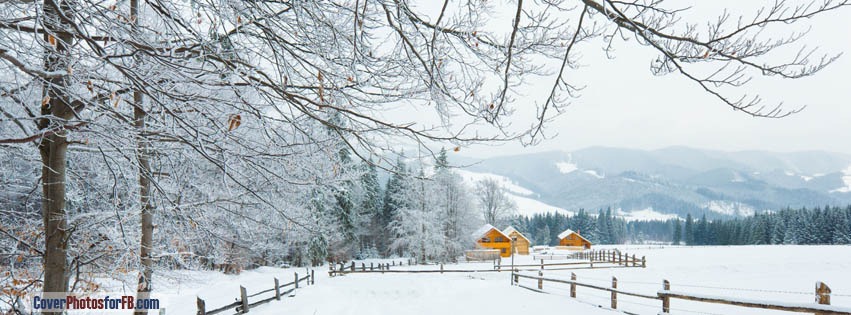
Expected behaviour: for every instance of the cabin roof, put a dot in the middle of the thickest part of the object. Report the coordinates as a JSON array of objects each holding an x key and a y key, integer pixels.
[
  {"x": 484, "y": 230},
  {"x": 567, "y": 232},
  {"x": 511, "y": 229}
]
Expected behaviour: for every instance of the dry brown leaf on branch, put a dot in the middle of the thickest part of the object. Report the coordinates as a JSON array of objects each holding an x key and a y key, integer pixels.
[
  {"x": 45, "y": 100},
  {"x": 234, "y": 121},
  {"x": 321, "y": 88}
]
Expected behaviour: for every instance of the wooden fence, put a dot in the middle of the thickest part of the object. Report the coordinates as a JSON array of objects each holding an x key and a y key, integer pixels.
[
  {"x": 242, "y": 305},
  {"x": 822, "y": 296},
  {"x": 602, "y": 258},
  {"x": 596, "y": 260}
]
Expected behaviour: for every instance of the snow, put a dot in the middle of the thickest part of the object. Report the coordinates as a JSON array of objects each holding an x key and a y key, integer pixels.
[
  {"x": 729, "y": 207},
  {"x": 471, "y": 178},
  {"x": 511, "y": 229},
  {"x": 780, "y": 274},
  {"x": 645, "y": 215},
  {"x": 426, "y": 294},
  {"x": 737, "y": 178},
  {"x": 568, "y": 232},
  {"x": 520, "y": 195},
  {"x": 594, "y": 173},
  {"x": 846, "y": 178},
  {"x": 566, "y": 167},
  {"x": 529, "y": 207},
  {"x": 830, "y": 308},
  {"x": 482, "y": 230}
]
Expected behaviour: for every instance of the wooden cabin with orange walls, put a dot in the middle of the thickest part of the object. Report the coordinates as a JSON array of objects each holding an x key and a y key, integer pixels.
[
  {"x": 522, "y": 244},
  {"x": 573, "y": 239},
  {"x": 490, "y": 237}
]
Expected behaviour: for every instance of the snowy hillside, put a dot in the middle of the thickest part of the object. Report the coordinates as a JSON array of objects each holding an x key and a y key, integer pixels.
[
  {"x": 676, "y": 180},
  {"x": 527, "y": 205}
]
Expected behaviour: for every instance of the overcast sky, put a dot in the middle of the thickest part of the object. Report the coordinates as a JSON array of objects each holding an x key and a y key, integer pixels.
[{"x": 624, "y": 105}]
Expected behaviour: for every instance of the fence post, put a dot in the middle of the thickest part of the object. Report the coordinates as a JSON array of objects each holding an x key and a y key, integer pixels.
[
  {"x": 620, "y": 259},
  {"x": 331, "y": 269},
  {"x": 296, "y": 279},
  {"x": 573, "y": 285},
  {"x": 540, "y": 281},
  {"x": 614, "y": 294},
  {"x": 277, "y": 290},
  {"x": 441, "y": 268},
  {"x": 643, "y": 261},
  {"x": 542, "y": 264},
  {"x": 499, "y": 265},
  {"x": 244, "y": 296},
  {"x": 822, "y": 294},
  {"x": 666, "y": 301},
  {"x": 312, "y": 278},
  {"x": 353, "y": 266},
  {"x": 634, "y": 263},
  {"x": 200, "y": 303},
  {"x": 393, "y": 262}
]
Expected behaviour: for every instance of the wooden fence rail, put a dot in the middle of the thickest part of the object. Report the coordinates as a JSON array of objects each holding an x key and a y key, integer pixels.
[
  {"x": 592, "y": 257},
  {"x": 242, "y": 305},
  {"x": 342, "y": 269},
  {"x": 822, "y": 296}
]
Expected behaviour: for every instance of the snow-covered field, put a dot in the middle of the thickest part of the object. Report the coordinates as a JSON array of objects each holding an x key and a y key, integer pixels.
[{"x": 776, "y": 273}]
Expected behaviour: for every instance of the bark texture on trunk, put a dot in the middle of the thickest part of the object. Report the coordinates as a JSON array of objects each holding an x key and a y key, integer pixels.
[
  {"x": 145, "y": 286},
  {"x": 53, "y": 147}
]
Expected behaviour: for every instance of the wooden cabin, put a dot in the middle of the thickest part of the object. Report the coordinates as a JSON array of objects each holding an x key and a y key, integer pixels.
[
  {"x": 522, "y": 244},
  {"x": 570, "y": 238},
  {"x": 490, "y": 237}
]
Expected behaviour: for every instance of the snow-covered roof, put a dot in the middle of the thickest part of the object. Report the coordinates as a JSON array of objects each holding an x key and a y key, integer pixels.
[
  {"x": 484, "y": 230},
  {"x": 568, "y": 232},
  {"x": 511, "y": 229}
]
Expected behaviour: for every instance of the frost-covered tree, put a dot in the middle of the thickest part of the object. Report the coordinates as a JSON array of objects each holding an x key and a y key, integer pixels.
[
  {"x": 496, "y": 206},
  {"x": 101, "y": 98}
]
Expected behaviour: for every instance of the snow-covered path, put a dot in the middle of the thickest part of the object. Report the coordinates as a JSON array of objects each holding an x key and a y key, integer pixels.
[{"x": 409, "y": 294}]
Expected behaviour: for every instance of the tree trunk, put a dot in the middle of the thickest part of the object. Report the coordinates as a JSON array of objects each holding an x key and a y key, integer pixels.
[
  {"x": 143, "y": 156},
  {"x": 53, "y": 149}
]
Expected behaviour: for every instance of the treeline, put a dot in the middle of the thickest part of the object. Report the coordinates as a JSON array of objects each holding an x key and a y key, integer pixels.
[{"x": 828, "y": 225}]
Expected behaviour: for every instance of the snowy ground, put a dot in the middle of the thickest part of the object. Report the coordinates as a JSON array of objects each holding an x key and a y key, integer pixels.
[{"x": 777, "y": 273}]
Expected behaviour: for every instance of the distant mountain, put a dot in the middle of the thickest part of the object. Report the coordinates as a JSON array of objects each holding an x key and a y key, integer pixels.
[{"x": 676, "y": 180}]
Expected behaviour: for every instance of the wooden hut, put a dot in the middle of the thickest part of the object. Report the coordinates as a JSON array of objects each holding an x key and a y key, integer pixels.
[
  {"x": 522, "y": 244},
  {"x": 572, "y": 239},
  {"x": 490, "y": 237}
]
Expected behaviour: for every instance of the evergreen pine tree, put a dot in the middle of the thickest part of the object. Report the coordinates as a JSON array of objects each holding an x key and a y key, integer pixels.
[
  {"x": 678, "y": 232},
  {"x": 371, "y": 206},
  {"x": 542, "y": 235},
  {"x": 394, "y": 199},
  {"x": 689, "y": 230},
  {"x": 778, "y": 233}
]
